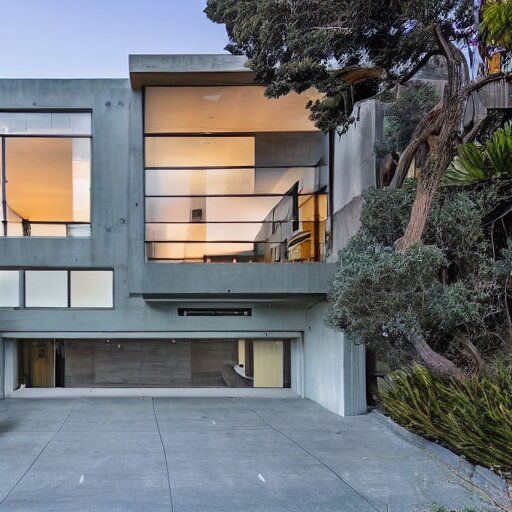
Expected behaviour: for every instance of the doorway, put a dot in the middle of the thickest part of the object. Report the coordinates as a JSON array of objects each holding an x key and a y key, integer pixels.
[{"x": 37, "y": 363}]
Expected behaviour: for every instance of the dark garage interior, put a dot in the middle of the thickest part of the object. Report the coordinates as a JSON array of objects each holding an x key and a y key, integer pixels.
[{"x": 153, "y": 363}]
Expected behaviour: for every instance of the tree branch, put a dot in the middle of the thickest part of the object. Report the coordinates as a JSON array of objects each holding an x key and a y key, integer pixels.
[
  {"x": 422, "y": 62},
  {"x": 474, "y": 131},
  {"x": 475, "y": 85},
  {"x": 428, "y": 125}
]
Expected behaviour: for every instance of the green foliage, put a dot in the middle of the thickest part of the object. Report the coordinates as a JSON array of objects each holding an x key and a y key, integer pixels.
[
  {"x": 294, "y": 45},
  {"x": 477, "y": 162},
  {"x": 495, "y": 26},
  {"x": 448, "y": 288},
  {"x": 403, "y": 116},
  {"x": 472, "y": 416}
]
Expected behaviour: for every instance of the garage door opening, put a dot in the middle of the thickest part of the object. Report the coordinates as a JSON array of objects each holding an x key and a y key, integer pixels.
[{"x": 154, "y": 363}]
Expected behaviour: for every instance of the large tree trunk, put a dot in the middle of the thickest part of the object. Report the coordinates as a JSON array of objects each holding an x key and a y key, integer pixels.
[
  {"x": 433, "y": 173},
  {"x": 448, "y": 119},
  {"x": 437, "y": 363}
]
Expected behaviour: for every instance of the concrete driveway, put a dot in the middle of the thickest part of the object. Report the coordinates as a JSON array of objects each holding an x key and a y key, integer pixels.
[{"x": 210, "y": 454}]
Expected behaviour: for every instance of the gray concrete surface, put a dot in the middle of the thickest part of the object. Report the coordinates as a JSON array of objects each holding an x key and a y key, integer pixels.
[
  {"x": 210, "y": 454},
  {"x": 153, "y": 393}
]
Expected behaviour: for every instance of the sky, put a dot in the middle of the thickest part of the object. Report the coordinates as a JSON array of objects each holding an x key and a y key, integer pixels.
[{"x": 93, "y": 38}]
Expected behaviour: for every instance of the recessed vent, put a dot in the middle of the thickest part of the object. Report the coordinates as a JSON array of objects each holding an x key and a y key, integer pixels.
[
  {"x": 214, "y": 312},
  {"x": 196, "y": 215}
]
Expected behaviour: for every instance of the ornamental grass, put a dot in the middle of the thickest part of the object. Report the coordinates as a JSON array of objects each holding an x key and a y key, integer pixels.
[{"x": 471, "y": 416}]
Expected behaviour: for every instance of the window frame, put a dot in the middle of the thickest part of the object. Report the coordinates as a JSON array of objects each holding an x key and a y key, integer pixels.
[
  {"x": 326, "y": 190},
  {"x": 23, "y": 289},
  {"x": 3, "y": 175}
]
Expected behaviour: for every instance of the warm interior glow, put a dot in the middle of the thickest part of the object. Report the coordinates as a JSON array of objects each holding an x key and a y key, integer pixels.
[
  {"x": 199, "y": 151},
  {"x": 206, "y": 197},
  {"x": 225, "y": 109},
  {"x": 48, "y": 179}
]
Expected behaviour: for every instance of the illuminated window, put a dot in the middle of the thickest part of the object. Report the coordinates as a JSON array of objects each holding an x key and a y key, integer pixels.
[
  {"x": 227, "y": 172},
  {"x": 45, "y": 174}
]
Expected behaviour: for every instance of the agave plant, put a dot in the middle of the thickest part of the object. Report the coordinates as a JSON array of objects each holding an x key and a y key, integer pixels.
[{"x": 479, "y": 162}]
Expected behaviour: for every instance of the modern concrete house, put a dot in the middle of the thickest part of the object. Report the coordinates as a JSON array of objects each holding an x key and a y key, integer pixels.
[{"x": 175, "y": 229}]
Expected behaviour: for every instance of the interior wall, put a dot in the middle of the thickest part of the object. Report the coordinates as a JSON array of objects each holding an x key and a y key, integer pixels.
[{"x": 334, "y": 368}]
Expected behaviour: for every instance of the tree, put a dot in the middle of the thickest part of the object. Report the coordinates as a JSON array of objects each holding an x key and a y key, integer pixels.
[
  {"x": 351, "y": 50},
  {"x": 444, "y": 303}
]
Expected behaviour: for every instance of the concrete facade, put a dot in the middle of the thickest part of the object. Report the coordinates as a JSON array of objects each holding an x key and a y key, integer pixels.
[
  {"x": 355, "y": 164},
  {"x": 287, "y": 299}
]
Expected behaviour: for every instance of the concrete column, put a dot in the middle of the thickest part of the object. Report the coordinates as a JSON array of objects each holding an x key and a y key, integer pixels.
[
  {"x": 2, "y": 366},
  {"x": 9, "y": 376},
  {"x": 354, "y": 378},
  {"x": 334, "y": 367}
]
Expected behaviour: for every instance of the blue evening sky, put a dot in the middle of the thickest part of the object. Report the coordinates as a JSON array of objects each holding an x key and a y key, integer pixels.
[{"x": 92, "y": 38}]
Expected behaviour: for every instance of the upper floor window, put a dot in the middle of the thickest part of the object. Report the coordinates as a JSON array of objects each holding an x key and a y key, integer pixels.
[
  {"x": 45, "y": 171},
  {"x": 231, "y": 176}
]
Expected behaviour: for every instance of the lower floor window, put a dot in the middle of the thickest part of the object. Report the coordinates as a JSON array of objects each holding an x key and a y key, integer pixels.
[{"x": 57, "y": 288}]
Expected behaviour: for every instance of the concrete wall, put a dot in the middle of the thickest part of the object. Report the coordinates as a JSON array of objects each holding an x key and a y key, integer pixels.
[
  {"x": 334, "y": 368},
  {"x": 355, "y": 171},
  {"x": 117, "y": 240}
]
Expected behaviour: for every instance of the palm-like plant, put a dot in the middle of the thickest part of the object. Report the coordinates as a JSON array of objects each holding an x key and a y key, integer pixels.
[
  {"x": 479, "y": 162},
  {"x": 496, "y": 23}
]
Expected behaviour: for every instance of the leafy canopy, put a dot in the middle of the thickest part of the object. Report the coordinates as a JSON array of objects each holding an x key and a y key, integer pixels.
[
  {"x": 347, "y": 49},
  {"x": 402, "y": 116},
  {"x": 496, "y": 23}
]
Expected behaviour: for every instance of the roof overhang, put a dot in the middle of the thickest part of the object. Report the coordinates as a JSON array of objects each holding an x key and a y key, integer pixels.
[{"x": 179, "y": 70}]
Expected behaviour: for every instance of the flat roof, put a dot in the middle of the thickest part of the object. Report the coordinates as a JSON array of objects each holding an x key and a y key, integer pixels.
[{"x": 204, "y": 69}]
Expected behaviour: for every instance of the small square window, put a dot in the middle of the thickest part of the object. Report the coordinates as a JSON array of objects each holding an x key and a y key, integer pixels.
[
  {"x": 46, "y": 289},
  {"x": 9, "y": 288},
  {"x": 92, "y": 289}
]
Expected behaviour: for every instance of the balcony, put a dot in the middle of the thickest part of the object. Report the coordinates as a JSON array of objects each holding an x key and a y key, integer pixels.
[{"x": 267, "y": 226}]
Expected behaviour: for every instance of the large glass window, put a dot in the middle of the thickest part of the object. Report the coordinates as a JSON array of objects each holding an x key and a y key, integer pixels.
[
  {"x": 231, "y": 176},
  {"x": 45, "y": 174}
]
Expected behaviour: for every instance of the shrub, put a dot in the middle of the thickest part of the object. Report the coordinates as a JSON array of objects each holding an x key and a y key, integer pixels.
[
  {"x": 451, "y": 291},
  {"x": 471, "y": 416}
]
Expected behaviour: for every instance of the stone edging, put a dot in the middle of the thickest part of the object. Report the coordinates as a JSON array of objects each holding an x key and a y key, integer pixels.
[{"x": 496, "y": 489}]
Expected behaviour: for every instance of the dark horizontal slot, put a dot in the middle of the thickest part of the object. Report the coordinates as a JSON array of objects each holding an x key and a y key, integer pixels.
[{"x": 214, "y": 312}]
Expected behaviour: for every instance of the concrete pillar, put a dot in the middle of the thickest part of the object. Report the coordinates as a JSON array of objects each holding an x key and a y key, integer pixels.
[
  {"x": 334, "y": 367},
  {"x": 9, "y": 378},
  {"x": 2, "y": 366},
  {"x": 354, "y": 378}
]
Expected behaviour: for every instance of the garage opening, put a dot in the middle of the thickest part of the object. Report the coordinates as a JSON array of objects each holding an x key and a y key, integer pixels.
[{"x": 154, "y": 363}]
